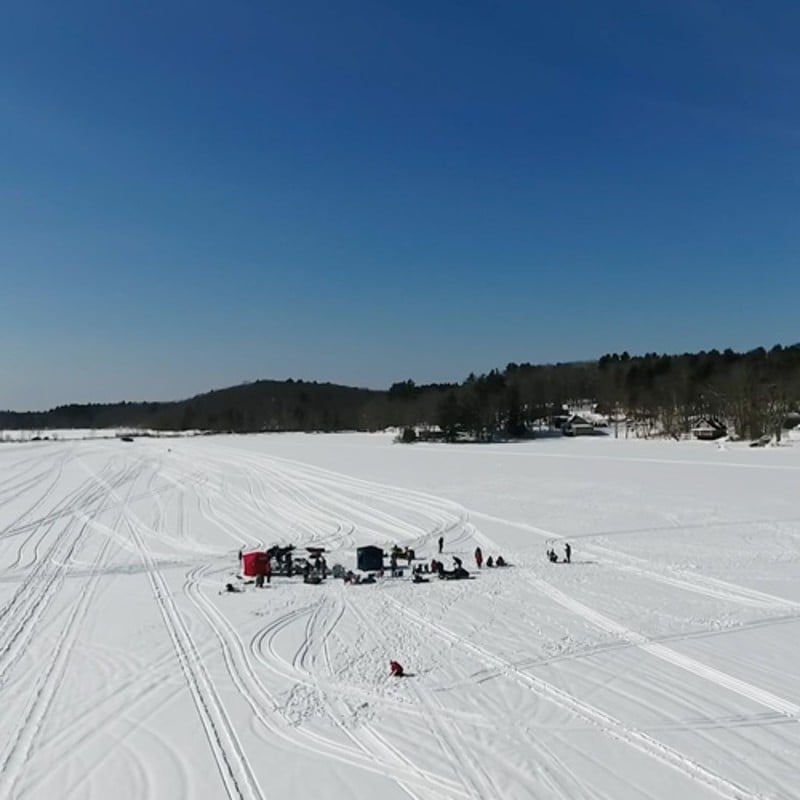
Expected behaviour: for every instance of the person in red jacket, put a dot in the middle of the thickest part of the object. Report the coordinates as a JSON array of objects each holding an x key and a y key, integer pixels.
[
  {"x": 396, "y": 669},
  {"x": 478, "y": 557}
]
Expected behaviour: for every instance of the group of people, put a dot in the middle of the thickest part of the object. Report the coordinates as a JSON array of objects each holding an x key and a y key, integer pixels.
[
  {"x": 405, "y": 553},
  {"x": 315, "y": 569},
  {"x": 553, "y": 556},
  {"x": 490, "y": 562},
  {"x": 353, "y": 578},
  {"x": 394, "y": 570},
  {"x": 279, "y": 560},
  {"x": 437, "y": 567},
  {"x": 284, "y": 562}
]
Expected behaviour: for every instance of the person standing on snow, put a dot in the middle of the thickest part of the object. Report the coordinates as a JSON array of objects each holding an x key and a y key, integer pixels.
[
  {"x": 567, "y": 552},
  {"x": 441, "y": 543},
  {"x": 478, "y": 557}
]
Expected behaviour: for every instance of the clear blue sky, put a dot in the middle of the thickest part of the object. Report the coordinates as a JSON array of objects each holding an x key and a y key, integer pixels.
[{"x": 196, "y": 194}]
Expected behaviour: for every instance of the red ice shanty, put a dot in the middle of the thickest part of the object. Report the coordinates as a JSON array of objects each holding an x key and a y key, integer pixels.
[{"x": 254, "y": 564}]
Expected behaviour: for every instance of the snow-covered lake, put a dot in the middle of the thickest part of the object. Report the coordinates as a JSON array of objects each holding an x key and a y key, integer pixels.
[{"x": 662, "y": 663}]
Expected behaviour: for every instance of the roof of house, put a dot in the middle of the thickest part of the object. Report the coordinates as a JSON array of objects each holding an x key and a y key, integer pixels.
[
  {"x": 577, "y": 419},
  {"x": 706, "y": 423}
]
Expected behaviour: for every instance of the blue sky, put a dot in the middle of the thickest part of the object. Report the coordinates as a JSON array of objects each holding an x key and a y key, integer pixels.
[{"x": 193, "y": 195}]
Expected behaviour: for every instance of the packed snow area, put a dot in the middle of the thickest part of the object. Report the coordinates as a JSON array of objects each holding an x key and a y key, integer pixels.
[{"x": 661, "y": 663}]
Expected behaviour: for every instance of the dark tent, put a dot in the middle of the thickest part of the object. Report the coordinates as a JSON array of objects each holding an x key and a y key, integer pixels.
[{"x": 369, "y": 559}]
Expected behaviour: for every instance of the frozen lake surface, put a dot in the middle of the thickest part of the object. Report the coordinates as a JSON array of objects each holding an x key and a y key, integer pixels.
[{"x": 660, "y": 663}]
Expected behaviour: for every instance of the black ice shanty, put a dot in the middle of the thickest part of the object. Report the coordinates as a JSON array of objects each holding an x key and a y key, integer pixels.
[{"x": 369, "y": 559}]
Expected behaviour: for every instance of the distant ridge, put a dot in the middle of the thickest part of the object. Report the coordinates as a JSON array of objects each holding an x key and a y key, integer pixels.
[{"x": 752, "y": 392}]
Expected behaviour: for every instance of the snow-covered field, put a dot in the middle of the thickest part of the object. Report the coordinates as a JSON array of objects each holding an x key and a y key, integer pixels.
[{"x": 662, "y": 663}]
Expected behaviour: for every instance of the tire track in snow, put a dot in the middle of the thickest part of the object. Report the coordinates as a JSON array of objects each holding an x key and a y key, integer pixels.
[
  {"x": 263, "y": 702},
  {"x": 701, "y": 584},
  {"x": 709, "y": 587},
  {"x": 53, "y": 475},
  {"x": 605, "y": 722},
  {"x": 68, "y": 507},
  {"x": 212, "y": 511},
  {"x": 313, "y": 635},
  {"x": 20, "y": 615},
  {"x": 232, "y": 765},
  {"x": 715, "y": 676},
  {"x": 39, "y": 529},
  {"x": 555, "y": 775},
  {"x": 327, "y": 493},
  {"x": 385, "y": 744},
  {"x": 474, "y": 779},
  {"x": 47, "y": 685},
  {"x": 48, "y": 680}
]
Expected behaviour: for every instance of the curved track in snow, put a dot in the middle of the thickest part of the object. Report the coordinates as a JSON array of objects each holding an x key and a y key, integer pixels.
[{"x": 526, "y": 682}]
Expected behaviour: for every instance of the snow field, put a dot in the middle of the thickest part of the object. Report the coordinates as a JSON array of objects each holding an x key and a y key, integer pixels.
[{"x": 661, "y": 663}]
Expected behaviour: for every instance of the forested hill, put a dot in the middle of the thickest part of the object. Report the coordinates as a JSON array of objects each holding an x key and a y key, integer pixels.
[
  {"x": 753, "y": 391},
  {"x": 259, "y": 406}
]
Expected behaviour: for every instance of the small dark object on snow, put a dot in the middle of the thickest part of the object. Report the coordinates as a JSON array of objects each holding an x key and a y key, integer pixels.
[
  {"x": 457, "y": 574},
  {"x": 396, "y": 669}
]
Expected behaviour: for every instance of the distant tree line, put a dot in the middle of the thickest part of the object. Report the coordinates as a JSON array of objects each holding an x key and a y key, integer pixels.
[{"x": 752, "y": 391}]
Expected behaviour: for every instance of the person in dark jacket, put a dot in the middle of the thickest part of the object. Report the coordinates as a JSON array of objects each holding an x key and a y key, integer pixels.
[
  {"x": 441, "y": 543},
  {"x": 396, "y": 669},
  {"x": 567, "y": 553},
  {"x": 478, "y": 557}
]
